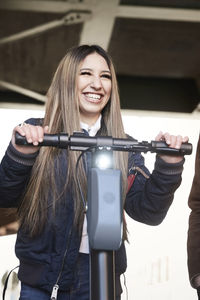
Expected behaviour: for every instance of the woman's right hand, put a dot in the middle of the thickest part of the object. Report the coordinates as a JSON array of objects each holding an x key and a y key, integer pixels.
[{"x": 33, "y": 134}]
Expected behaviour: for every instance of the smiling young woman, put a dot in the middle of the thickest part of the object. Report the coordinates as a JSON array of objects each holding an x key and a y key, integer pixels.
[{"x": 52, "y": 244}]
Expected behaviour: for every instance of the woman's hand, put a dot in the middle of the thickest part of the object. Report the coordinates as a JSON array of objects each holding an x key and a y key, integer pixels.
[
  {"x": 172, "y": 141},
  {"x": 33, "y": 134}
]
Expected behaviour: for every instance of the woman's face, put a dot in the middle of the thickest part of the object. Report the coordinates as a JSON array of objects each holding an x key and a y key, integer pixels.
[{"x": 94, "y": 87}]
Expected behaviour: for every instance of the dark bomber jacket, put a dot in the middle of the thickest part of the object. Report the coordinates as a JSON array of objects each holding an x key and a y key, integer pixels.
[
  {"x": 193, "y": 241},
  {"x": 147, "y": 201}
]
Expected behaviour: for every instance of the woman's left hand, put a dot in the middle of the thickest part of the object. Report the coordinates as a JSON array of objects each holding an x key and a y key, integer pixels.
[{"x": 173, "y": 141}]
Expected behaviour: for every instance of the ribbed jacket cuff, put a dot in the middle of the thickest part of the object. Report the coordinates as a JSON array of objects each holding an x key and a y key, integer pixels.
[
  {"x": 168, "y": 168},
  {"x": 195, "y": 281},
  {"x": 24, "y": 159}
]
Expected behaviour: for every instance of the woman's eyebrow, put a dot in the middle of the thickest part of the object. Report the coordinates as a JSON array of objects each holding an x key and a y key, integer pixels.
[
  {"x": 89, "y": 69},
  {"x": 106, "y": 71}
]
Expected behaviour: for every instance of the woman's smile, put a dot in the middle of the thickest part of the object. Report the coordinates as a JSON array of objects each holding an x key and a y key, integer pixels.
[{"x": 93, "y": 97}]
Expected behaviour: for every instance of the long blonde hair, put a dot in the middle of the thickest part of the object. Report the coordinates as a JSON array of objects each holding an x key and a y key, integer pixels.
[{"x": 62, "y": 115}]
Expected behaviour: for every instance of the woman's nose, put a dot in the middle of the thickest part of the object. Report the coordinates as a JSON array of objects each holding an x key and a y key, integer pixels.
[{"x": 96, "y": 83}]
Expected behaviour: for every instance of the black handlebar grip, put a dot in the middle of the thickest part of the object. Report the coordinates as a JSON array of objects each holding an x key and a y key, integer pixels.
[
  {"x": 54, "y": 140},
  {"x": 163, "y": 148},
  {"x": 20, "y": 140}
]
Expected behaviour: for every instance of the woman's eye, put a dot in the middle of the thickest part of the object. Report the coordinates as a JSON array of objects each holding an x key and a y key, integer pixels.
[
  {"x": 85, "y": 73},
  {"x": 108, "y": 76}
]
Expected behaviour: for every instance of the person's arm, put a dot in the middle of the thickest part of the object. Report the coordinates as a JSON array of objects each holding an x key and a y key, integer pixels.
[
  {"x": 15, "y": 169},
  {"x": 149, "y": 199},
  {"x": 16, "y": 165},
  {"x": 193, "y": 242}
]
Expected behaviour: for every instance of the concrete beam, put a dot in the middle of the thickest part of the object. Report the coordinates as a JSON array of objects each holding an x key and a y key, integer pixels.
[
  {"x": 42, "y": 6},
  {"x": 125, "y": 11},
  {"x": 156, "y": 13},
  {"x": 23, "y": 91},
  {"x": 99, "y": 28}
]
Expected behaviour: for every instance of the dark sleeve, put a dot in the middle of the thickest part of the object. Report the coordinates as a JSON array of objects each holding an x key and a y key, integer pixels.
[
  {"x": 15, "y": 169},
  {"x": 193, "y": 242},
  {"x": 35, "y": 121},
  {"x": 149, "y": 199}
]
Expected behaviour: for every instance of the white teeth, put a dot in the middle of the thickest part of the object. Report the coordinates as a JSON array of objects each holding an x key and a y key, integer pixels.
[{"x": 93, "y": 96}]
